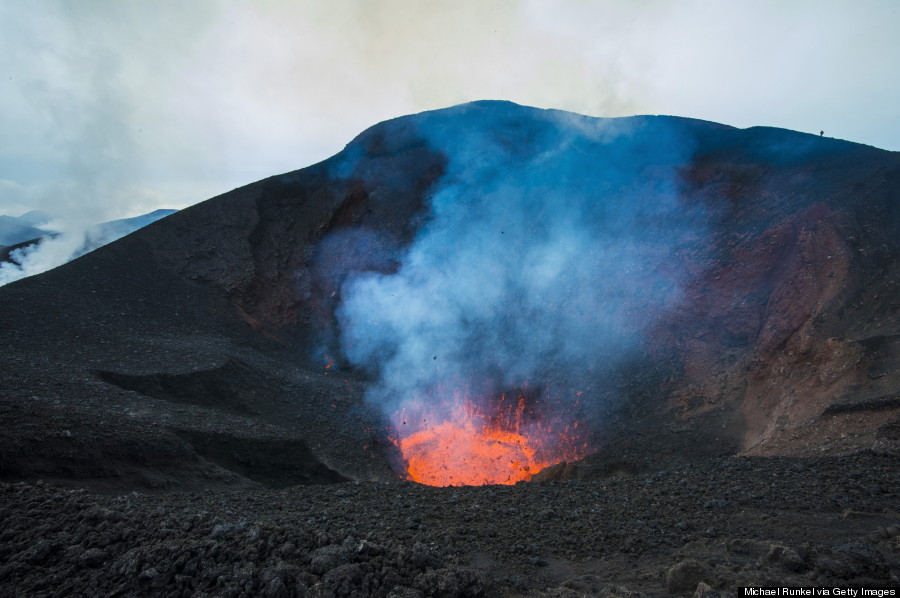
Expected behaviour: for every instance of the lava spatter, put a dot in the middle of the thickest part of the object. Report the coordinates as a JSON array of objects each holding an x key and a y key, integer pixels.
[{"x": 471, "y": 445}]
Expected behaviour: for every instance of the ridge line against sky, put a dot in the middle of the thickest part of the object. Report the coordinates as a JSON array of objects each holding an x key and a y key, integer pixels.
[{"x": 115, "y": 108}]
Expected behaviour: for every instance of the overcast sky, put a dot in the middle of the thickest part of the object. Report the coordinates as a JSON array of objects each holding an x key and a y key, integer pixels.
[{"x": 114, "y": 108}]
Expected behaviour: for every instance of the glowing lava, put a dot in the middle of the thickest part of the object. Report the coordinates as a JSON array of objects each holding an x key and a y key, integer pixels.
[
  {"x": 451, "y": 454},
  {"x": 469, "y": 448}
]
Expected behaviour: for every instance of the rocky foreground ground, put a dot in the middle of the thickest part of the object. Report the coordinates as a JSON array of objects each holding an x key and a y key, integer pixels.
[{"x": 705, "y": 528}]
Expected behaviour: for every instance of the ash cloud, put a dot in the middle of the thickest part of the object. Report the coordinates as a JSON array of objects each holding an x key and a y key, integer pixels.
[{"x": 548, "y": 250}]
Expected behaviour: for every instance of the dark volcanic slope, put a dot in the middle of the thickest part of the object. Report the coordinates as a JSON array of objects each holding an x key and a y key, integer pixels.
[{"x": 115, "y": 362}]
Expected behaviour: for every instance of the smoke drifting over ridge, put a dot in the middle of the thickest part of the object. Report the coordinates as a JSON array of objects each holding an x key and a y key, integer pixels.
[
  {"x": 62, "y": 244},
  {"x": 549, "y": 246}
]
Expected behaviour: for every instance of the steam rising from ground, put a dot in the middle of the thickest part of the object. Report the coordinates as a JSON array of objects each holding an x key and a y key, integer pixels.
[
  {"x": 51, "y": 252},
  {"x": 548, "y": 249},
  {"x": 66, "y": 241}
]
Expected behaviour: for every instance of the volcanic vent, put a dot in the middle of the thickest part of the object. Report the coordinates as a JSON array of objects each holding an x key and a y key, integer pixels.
[
  {"x": 547, "y": 247},
  {"x": 464, "y": 442}
]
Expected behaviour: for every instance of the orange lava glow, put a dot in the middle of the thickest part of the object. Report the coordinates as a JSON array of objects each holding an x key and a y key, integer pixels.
[
  {"x": 470, "y": 448},
  {"x": 450, "y": 454}
]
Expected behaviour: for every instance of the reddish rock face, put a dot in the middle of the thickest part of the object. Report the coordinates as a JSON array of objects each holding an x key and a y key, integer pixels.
[{"x": 779, "y": 325}]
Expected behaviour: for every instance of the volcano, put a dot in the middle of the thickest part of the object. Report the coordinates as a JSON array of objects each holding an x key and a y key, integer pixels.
[{"x": 520, "y": 293}]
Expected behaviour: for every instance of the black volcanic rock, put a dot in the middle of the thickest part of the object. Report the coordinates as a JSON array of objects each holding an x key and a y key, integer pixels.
[{"x": 828, "y": 522}]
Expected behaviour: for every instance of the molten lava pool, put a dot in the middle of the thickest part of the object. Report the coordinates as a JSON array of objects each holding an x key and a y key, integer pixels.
[
  {"x": 450, "y": 454},
  {"x": 471, "y": 448}
]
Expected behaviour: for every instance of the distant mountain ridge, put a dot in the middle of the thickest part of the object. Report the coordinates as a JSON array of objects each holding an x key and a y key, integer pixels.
[{"x": 14, "y": 230}]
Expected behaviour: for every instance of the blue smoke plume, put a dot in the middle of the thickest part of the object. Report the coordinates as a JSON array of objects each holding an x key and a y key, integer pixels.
[{"x": 548, "y": 249}]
